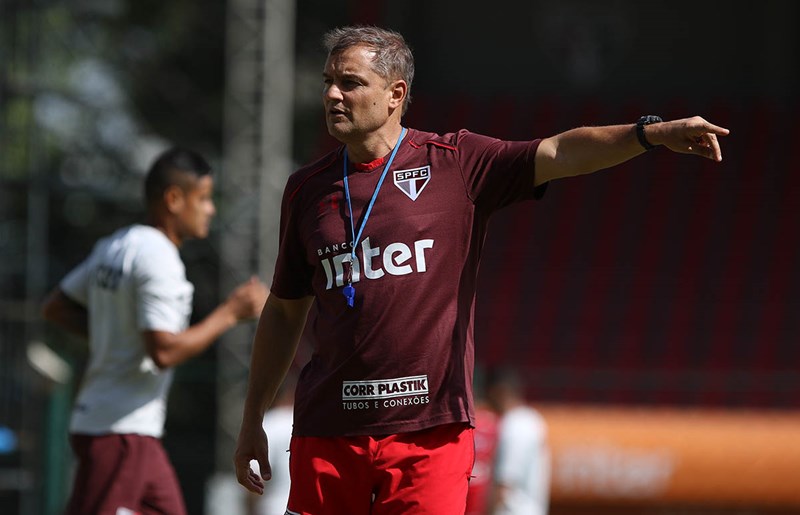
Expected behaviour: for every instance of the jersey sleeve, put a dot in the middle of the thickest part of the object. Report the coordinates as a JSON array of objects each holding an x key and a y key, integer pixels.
[
  {"x": 293, "y": 274},
  {"x": 75, "y": 284},
  {"x": 163, "y": 295},
  {"x": 497, "y": 172}
]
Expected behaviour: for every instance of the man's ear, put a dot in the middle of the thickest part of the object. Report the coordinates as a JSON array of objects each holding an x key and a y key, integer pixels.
[
  {"x": 398, "y": 90},
  {"x": 173, "y": 198}
]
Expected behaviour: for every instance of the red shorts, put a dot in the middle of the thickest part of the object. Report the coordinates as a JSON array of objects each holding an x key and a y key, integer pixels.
[
  {"x": 423, "y": 472},
  {"x": 128, "y": 474}
]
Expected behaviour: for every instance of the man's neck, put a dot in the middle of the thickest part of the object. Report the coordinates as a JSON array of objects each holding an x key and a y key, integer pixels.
[
  {"x": 375, "y": 145},
  {"x": 169, "y": 232}
]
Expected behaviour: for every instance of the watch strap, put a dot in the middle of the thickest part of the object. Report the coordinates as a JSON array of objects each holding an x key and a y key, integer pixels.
[{"x": 640, "y": 123}]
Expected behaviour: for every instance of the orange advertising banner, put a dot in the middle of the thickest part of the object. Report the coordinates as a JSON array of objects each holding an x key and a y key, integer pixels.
[{"x": 670, "y": 456}]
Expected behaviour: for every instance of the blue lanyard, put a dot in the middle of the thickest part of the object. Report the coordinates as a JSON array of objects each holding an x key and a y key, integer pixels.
[{"x": 350, "y": 291}]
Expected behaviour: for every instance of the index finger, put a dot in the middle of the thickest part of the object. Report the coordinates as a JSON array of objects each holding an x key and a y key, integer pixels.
[{"x": 715, "y": 129}]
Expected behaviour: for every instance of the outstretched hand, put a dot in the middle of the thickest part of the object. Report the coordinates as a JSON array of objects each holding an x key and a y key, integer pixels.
[{"x": 688, "y": 136}]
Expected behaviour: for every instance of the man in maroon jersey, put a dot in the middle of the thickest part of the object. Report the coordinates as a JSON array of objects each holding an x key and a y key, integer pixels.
[{"x": 384, "y": 237}]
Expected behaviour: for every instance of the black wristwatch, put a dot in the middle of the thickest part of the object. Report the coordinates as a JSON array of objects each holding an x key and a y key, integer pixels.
[{"x": 646, "y": 120}]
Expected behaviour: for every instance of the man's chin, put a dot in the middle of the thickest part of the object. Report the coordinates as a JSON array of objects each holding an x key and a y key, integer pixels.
[
  {"x": 339, "y": 131},
  {"x": 199, "y": 234}
]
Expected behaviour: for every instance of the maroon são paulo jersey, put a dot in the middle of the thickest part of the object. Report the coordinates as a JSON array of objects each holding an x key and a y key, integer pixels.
[{"x": 401, "y": 358}]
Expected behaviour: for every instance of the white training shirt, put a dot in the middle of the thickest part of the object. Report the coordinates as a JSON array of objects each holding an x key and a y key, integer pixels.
[
  {"x": 522, "y": 462},
  {"x": 133, "y": 281}
]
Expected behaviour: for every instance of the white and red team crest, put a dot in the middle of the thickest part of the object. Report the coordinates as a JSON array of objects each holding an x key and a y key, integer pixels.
[{"x": 413, "y": 181}]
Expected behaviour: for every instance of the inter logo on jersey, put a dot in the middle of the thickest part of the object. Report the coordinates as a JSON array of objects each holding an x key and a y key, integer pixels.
[{"x": 412, "y": 182}]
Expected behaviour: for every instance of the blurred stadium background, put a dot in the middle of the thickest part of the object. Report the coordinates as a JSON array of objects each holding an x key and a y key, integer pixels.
[{"x": 653, "y": 309}]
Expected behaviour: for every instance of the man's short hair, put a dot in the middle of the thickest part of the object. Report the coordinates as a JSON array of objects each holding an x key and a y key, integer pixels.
[
  {"x": 176, "y": 166},
  {"x": 393, "y": 58}
]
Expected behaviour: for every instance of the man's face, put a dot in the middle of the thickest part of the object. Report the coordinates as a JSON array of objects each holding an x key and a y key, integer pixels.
[
  {"x": 196, "y": 208},
  {"x": 357, "y": 100}
]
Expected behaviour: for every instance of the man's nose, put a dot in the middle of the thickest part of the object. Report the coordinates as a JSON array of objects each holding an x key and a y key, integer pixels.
[{"x": 333, "y": 92}]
